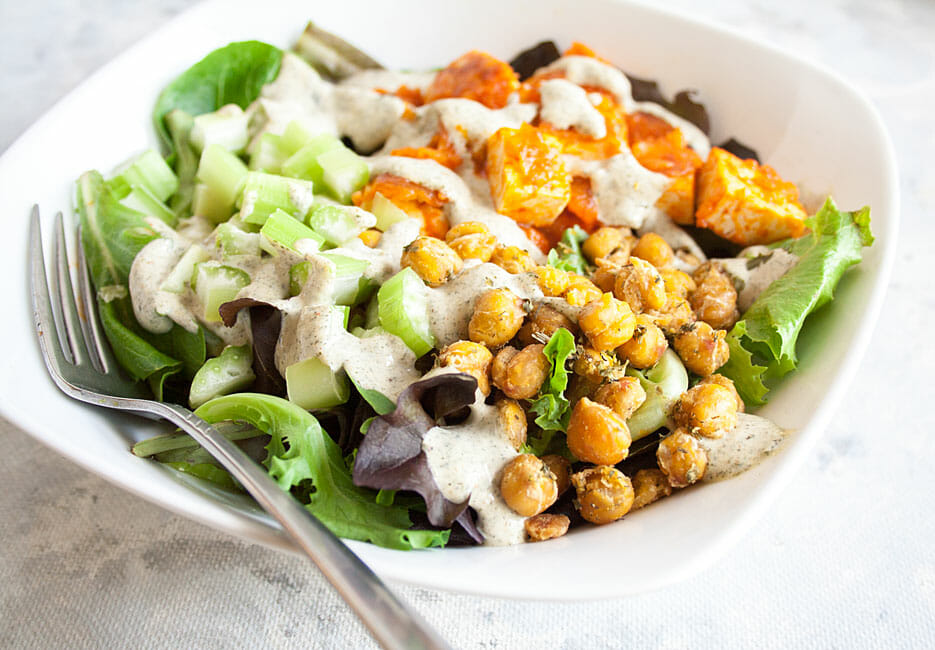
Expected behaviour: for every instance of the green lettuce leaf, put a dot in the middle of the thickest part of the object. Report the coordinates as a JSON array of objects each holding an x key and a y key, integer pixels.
[
  {"x": 233, "y": 74},
  {"x": 551, "y": 406},
  {"x": 304, "y": 459},
  {"x": 567, "y": 254},
  {"x": 763, "y": 343}
]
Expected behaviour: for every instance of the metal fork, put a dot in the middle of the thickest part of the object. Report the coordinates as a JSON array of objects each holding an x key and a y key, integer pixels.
[{"x": 83, "y": 367}]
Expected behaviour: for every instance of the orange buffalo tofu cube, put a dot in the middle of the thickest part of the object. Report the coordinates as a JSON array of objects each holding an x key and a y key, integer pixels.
[
  {"x": 745, "y": 202},
  {"x": 478, "y": 76},
  {"x": 660, "y": 147},
  {"x": 413, "y": 199},
  {"x": 528, "y": 180}
]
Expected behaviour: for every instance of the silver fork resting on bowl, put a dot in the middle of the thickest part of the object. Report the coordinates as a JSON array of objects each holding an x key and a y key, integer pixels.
[{"x": 83, "y": 367}]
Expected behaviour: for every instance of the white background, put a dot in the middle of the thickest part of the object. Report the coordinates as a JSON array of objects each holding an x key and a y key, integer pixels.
[{"x": 845, "y": 558}]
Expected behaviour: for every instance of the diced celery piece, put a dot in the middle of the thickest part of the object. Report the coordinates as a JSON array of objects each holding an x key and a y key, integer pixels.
[
  {"x": 313, "y": 385},
  {"x": 372, "y": 316},
  {"x": 339, "y": 224},
  {"x": 350, "y": 285},
  {"x": 296, "y": 135},
  {"x": 366, "y": 333},
  {"x": 142, "y": 200},
  {"x": 343, "y": 173},
  {"x": 181, "y": 274},
  {"x": 284, "y": 229},
  {"x": 264, "y": 193},
  {"x": 223, "y": 174},
  {"x": 215, "y": 284},
  {"x": 226, "y": 127},
  {"x": 180, "y": 125},
  {"x": 403, "y": 305},
  {"x": 231, "y": 240},
  {"x": 304, "y": 162},
  {"x": 152, "y": 172},
  {"x": 386, "y": 212},
  {"x": 228, "y": 373},
  {"x": 269, "y": 154}
]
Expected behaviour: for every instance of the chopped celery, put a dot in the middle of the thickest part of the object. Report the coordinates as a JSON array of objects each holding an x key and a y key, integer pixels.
[
  {"x": 311, "y": 384},
  {"x": 264, "y": 193},
  {"x": 367, "y": 332},
  {"x": 226, "y": 127},
  {"x": 339, "y": 224},
  {"x": 386, "y": 212},
  {"x": 152, "y": 172},
  {"x": 222, "y": 174},
  {"x": 285, "y": 230},
  {"x": 182, "y": 272},
  {"x": 142, "y": 200},
  {"x": 228, "y": 373},
  {"x": 296, "y": 135},
  {"x": 215, "y": 284},
  {"x": 372, "y": 315},
  {"x": 268, "y": 154},
  {"x": 350, "y": 285},
  {"x": 234, "y": 241},
  {"x": 403, "y": 309},
  {"x": 180, "y": 125},
  {"x": 663, "y": 383},
  {"x": 304, "y": 162},
  {"x": 343, "y": 173}
]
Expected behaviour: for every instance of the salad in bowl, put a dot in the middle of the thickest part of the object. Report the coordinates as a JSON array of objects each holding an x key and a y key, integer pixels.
[{"x": 477, "y": 305}]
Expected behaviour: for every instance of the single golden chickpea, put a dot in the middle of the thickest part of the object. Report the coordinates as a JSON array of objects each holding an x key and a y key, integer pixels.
[
  {"x": 681, "y": 458},
  {"x": 605, "y": 494},
  {"x": 674, "y": 316},
  {"x": 593, "y": 365},
  {"x": 649, "y": 485},
  {"x": 604, "y": 241},
  {"x": 622, "y": 396},
  {"x": 714, "y": 299},
  {"x": 498, "y": 315},
  {"x": 646, "y": 346},
  {"x": 708, "y": 410},
  {"x": 527, "y": 486},
  {"x": 520, "y": 373},
  {"x": 605, "y": 276},
  {"x": 677, "y": 283},
  {"x": 721, "y": 380},
  {"x": 607, "y": 322},
  {"x": 654, "y": 249},
  {"x": 472, "y": 240},
  {"x": 561, "y": 468},
  {"x": 542, "y": 323},
  {"x": 511, "y": 420},
  {"x": 580, "y": 291},
  {"x": 596, "y": 434},
  {"x": 432, "y": 260},
  {"x": 552, "y": 281},
  {"x": 640, "y": 286},
  {"x": 512, "y": 259},
  {"x": 701, "y": 348},
  {"x": 546, "y": 526},
  {"x": 470, "y": 357}
]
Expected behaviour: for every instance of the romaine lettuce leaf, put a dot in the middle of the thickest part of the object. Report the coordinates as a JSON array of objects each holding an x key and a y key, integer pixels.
[
  {"x": 551, "y": 406},
  {"x": 567, "y": 254},
  {"x": 763, "y": 342}
]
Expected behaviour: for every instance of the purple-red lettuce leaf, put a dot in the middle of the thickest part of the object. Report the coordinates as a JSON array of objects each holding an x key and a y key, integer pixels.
[{"x": 265, "y": 325}]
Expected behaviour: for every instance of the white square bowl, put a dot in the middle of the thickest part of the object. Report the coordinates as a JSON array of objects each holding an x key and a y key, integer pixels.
[{"x": 809, "y": 124}]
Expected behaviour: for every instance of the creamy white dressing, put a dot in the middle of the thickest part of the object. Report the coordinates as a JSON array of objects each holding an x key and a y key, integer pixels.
[
  {"x": 467, "y": 462},
  {"x": 753, "y": 439},
  {"x": 156, "y": 310},
  {"x": 755, "y": 269},
  {"x": 389, "y": 80},
  {"x": 366, "y": 116},
  {"x": 626, "y": 192},
  {"x": 566, "y": 105}
]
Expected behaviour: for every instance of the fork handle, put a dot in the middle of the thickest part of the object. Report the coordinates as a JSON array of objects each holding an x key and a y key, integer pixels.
[{"x": 391, "y": 623}]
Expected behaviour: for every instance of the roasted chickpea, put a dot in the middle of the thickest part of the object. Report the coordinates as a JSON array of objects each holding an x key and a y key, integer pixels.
[
  {"x": 605, "y": 276},
  {"x": 623, "y": 396},
  {"x": 527, "y": 486},
  {"x": 471, "y": 240},
  {"x": 370, "y": 237},
  {"x": 646, "y": 346},
  {"x": 607, "y": 322},
  {"x": 432, "y": 260},
  {"x": 595, "y": 366},
  {"x": 542, "y": 322},
  {"x": 681, "y": 458},
  {"x": 677, "y": 283},
  {"x": 552, "y": 281},
  {"x": 604, "y": 241},
  {"x": 561, "y": 468},
  {"x": 546, "y": 526},
  {"x": 596, "y": 434},
  {"x": 708, "y": 410},
  {"x": 605, "y": 494},
  {"x": 721, "y": 380},
  {"x": 470, "y": 357},
  {"x": 701, "y": 348},
  {"x": 520, "y": 373},
  {"x": 649, "y": 485},
  {"x": 688, "y": 259},
  {"x": 714, "y": 300},
  {"x": 511, "y": 419},
  {"x": 674, "y": 316},
  {"x": 654, "y": 249},
  {"x": 498, "y": 315},
  {"x": 512, "y": 259},
  {"x": 580, "y": 291},
  {"x": 621, "y": 256},
  {"x": 640, "y": 286}
]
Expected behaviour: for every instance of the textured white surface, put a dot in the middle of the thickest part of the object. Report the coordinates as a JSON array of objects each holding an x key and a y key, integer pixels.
[{"x": 845, "y": 558}]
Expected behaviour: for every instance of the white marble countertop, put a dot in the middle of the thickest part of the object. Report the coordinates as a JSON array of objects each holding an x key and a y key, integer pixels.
[{"x": 845, "y": 558}]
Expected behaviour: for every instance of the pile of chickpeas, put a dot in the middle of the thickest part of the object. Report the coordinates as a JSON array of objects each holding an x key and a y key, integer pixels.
[{"x": 632, "y": 308}]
